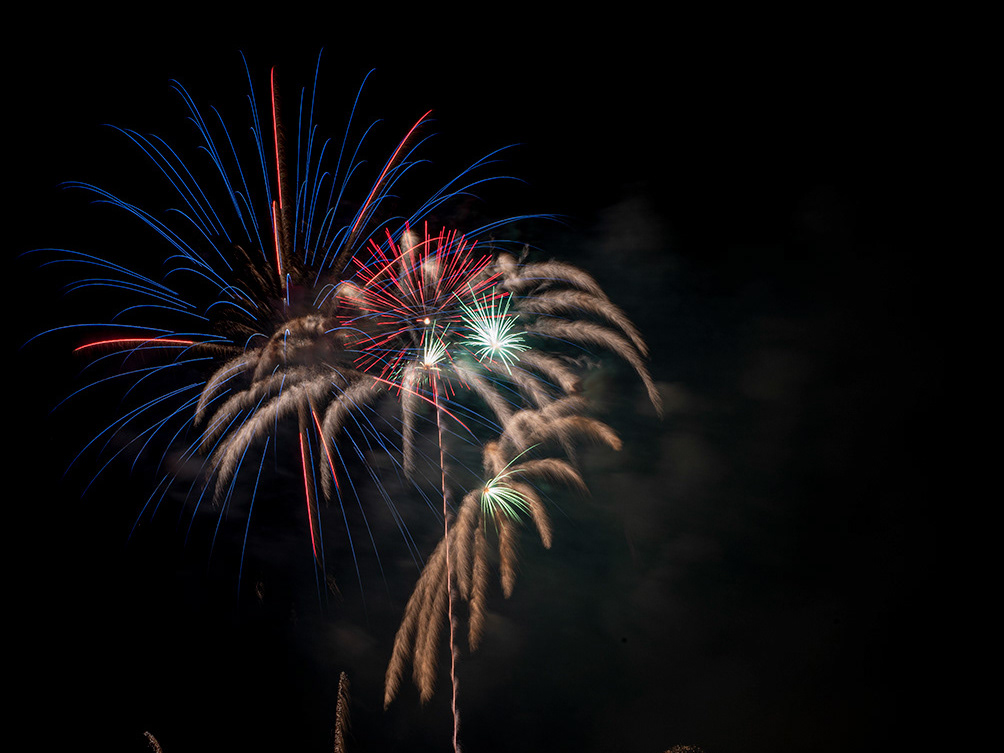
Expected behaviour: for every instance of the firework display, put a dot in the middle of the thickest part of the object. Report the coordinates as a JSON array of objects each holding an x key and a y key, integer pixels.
[{"x": 302, "y": 300}]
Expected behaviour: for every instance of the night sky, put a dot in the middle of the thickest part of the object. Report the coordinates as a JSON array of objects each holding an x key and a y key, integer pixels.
[{"x": 751, "y": 573}]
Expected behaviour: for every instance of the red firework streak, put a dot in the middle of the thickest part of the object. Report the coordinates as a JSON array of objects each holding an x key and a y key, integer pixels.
[
  {"x": 405, "y": 289},
  {"x": 307, "y": 414},
  {"x": 138, "y": 341},
  {"x": 284, "y": 238}
]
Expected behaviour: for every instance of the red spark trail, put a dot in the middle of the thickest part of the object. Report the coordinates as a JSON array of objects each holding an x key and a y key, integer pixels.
[
  {"x": 306, "y": 490},
  {"x": 277, "y": 205},
  {"x": 390, "y": 162},
  {"x": 320, "y": 433},
  {"x": 275, "y": 134},
  {"x": 138, "y": 340},
  {"x": 278, "y": 252}
]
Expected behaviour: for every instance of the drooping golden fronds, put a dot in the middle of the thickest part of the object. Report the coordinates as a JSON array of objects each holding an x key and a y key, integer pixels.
[
  {"x": 309, "y": 336},
  {"x": 555, "y": 469},
  {"x": 351, "y": 399},
  {"x": 241, "y": 401},
  {"x": 298, "y": 342},
  {"x": 528, "y": 423},
  {"x": 417, "y": 639},
  {"x": 463, "y": 545},
  {"x": 479, "y": 589},
  {"x": 565, "y": 429},
  {"x": 493, "y": 459},
  {"x": 537, "y": 391},
  {"x": 404, "y": 642},
  {"x": 215, "y": 384},
  {"x": 485, "y": 391},
  {"x": 553, "y": 369},
  {"x": 499, "y": 505},
  {"x": 550, "y": 290},
  {"x": 531, "y": 276},
  {"x": 427, "y": 638},
  {"x": 417, "y": 636},
  {"x": 595, "y": 334},
  {"x": 537, "y": 512},
  {"x": 227, "y": 457},
  {"x": 554, "y": 301},
  {"x": 508, "y": 538}
]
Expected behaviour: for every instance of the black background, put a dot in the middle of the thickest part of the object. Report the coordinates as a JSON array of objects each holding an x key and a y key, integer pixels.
[{"x": 753, "y": 572}]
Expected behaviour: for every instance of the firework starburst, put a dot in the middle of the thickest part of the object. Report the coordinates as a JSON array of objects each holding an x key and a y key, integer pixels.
[
  {"x": 299, "y": 307},
  {"x": 493, "y": 334}
]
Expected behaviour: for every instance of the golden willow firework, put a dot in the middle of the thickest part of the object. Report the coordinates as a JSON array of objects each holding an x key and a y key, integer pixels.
[{"x": 300, "y": 307}]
